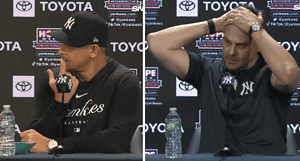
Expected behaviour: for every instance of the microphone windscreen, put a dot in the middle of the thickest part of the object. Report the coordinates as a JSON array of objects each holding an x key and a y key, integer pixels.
[{"x": 227, "y": 82}]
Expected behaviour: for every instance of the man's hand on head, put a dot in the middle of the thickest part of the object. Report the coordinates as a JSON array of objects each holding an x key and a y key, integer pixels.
[
  {"x": 52, "y": 83},
  {"x": 242, "y": 18},
  {"x": 32, "y": 136}
]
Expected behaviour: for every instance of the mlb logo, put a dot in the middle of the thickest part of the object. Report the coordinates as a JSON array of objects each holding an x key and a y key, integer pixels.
[
  {"x": 24, "y": 8},
  {"x": 23, "y": 86},
  {"x": 76, "y": 129},
  {"x": 184, "y": 89},
  {"x": 187, "y": 8}
]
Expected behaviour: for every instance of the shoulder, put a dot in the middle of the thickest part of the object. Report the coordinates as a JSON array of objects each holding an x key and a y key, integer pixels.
[
  {"x": 120, "y": 73},
  {"x": 201, "y": 58}
]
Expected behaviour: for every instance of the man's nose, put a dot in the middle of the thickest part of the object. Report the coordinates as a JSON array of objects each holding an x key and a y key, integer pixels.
[{"x": 231, "y": 50}]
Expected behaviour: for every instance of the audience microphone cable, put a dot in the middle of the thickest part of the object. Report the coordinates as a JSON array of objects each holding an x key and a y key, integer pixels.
[
  {"x": 64, "y": 85},
  {"x": 227, "y": 83}
]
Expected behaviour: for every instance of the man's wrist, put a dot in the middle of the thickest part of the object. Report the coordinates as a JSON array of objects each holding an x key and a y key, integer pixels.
[
  {"x": 52, "y": 144},
  {"x": 218, "y": 24},
  {"x": 257, "y": 34}
]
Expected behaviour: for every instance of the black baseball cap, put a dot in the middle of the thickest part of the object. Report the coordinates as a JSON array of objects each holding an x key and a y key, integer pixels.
[{"x": 81, "y": 29}]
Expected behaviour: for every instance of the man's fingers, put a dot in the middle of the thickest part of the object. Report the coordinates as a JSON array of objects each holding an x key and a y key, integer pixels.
[
  {"x": 50, "y": 73},
  {"x": 75, "y": 83},
  {"x": 229, "y": 22},
  {"x": 52, "y": 81},
  {"x": 260, "y": 15},
  {"x": 24, "y": 133},
  {"x": 232, "y": 15},
  {"x": 62, "y": 67}
]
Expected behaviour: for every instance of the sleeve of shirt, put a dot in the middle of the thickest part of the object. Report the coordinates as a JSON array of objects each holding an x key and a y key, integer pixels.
[
  {"x": 122, "y": 122},
  {"x": 48, "y": 113},
  {"x": 197, "y": 66},
  {"x": 283, "y": 99}
]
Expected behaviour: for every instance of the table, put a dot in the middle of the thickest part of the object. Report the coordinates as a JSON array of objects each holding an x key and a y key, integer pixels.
[
  {"x": 74, "y": 157},
  {"x": 210, "y": 157}
]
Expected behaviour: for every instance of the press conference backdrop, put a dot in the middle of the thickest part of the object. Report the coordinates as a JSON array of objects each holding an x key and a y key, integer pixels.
[
  {"x": 163, "y": 90},
  {"x": 27, "y": 51}
]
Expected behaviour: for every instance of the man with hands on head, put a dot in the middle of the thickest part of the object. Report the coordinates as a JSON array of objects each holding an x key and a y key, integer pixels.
[
  {"x": 265, "y": 73},
  {"x": 100, "y": 114}
]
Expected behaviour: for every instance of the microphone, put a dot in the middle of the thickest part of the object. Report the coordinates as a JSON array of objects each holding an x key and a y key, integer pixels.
[
  {"x": 227, "y": 84},
  {"x": 63, "y": 85}
]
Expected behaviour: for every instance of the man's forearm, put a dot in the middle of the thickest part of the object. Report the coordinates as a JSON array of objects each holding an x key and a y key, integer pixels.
[
  {"x": 176, "y": 37},
  {"x": 280, "y": 61}
]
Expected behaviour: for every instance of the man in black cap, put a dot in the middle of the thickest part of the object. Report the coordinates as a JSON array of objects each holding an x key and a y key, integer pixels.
[{"x": 100, "y": 114}]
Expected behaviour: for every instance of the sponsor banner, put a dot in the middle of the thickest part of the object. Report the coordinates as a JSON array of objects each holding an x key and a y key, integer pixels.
[
  {"x": 187, "y": 8},
  {"x": 225, "y": 5},
  {"x": 134, "y": 70},
  {"x": 157, "y": 127},
  {"x": 45, "y": 41},
  {"x": 211, "y": 41},
  {"x": 127, "y": 46},
  {"x": 284, "y": 13},
  {"x": 295, "y": 96},
  {"x": 151, "y": 93},
  {"x": 24, "y": 8},
  {"x": 10, "y": 46},
  {"x": 152, "y": 78},
  {"x": 184, "y": 89},
  {"x": 70, "y": 6},
  {"x": 295, "y": 128},
  {"x": 211, "y": 45},
  {"x": 290, "y": 45},
  {"x": 123, "y": 13},
  {"x": 152, "y": 84},
  {"x": 23, "y": 86},
  {"x": 152, "y": 8},
  {"x": 47, "y": 48}
]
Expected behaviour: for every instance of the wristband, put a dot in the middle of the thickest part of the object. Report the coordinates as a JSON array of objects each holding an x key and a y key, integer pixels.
[{"x": 212, "y": 27}]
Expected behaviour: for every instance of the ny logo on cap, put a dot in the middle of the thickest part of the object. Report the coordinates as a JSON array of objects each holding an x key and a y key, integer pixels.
[{"x": 69, "y": 23}]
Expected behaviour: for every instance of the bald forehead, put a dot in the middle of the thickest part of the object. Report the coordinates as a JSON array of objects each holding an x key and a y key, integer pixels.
[{"x": 234, "y": 34}]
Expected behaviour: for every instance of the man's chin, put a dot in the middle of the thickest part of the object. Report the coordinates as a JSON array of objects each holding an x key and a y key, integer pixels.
[{"x": 231, "y": 66}]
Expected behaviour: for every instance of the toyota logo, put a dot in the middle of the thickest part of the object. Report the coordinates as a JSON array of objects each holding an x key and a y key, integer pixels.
[
  {"x": 24, "y": 6},
  {"x": 23, "y": 86},
  {"x": 185, "y": 86},
  {"x": 187, "y": 5}
]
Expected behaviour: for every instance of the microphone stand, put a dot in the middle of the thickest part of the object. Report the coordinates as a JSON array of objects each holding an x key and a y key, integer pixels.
[{"x": 226, "y": 151}]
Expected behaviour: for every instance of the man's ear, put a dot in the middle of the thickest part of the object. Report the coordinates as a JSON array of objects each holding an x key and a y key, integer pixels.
[{"x": 94, "y": 49}]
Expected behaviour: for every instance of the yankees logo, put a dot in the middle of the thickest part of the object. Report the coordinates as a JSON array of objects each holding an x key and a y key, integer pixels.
[
  {"x": 62, "y": 79},
  {"x": 69, "y": 23},
  {"x": 247, "y": 88},
  {"x": 227, "y": 80}
]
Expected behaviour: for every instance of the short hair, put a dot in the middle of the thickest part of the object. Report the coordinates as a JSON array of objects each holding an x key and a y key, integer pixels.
[
  {"x": 103, "y": 50},
  {"x": 255, "y": 11}
]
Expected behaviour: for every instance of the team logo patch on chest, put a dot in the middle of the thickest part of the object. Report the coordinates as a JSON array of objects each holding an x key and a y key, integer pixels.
[{"x": 247, "y": 86}]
